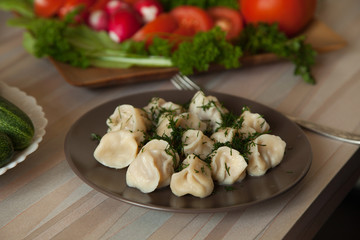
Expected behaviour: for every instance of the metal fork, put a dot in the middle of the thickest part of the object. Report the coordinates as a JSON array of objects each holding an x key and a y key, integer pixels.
[{"x": 182, "y": 82}]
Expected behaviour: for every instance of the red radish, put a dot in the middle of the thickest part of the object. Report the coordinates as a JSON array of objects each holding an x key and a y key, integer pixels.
[
  {"x": 148, "y": 9},
  {"x": 123, "y": 24},
  {"x": 115, "y": 5},
  {"x": 98, "y": 20}
]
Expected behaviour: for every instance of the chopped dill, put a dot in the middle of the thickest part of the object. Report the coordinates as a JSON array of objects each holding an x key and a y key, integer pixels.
[
  {"x": 227, "y": 168},
  {"x": 203, "y": 170},
  {"x": 229, "y": 188},
  {"x": 95, "y": 137}
]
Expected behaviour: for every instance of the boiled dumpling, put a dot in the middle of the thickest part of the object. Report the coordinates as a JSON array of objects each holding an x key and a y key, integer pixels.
[
  {"x": 191, "y": 121},
  {"x": 246, "y": 131},
  {"x": 153, "y": 108},
  {"x": 164, "y": 127},
  {"x": 116, "y": 149},
  {"x": 196, "y": 142},
  {"x": 266, "y": 152},
  {"x": 255, "y": 121},
  {"x": 184, "y": 120},
  {"x": 127, "y": 117},
  {"x": 207, "y": 108},
  {"x": 194, "y": 178},
  {"x": 153, "y": 166},
  {"x": 158, "y": 106},
  {"x": 224, "y": 135},
  {"x": 227, "y": 165}
]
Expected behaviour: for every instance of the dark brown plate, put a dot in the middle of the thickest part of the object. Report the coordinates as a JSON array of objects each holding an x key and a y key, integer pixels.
[{"x": 79, "y": 148}]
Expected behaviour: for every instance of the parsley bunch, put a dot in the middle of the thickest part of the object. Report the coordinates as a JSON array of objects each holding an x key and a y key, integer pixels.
[
  {"x": 267, "y": 38},
  {"x": 205, "y": 48}
]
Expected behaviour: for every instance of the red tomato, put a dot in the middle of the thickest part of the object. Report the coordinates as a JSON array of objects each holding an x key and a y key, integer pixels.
[
  {"x": 47, "y": 8},
  {"x": 70, "y": 5},
  {"x": 164, "y": 24},
  {"x": 98, "y": 5},
  {"x": 291, "y": 15},
  {"x": 192, "y": 18},
  {"x": 227, "y": 19}
]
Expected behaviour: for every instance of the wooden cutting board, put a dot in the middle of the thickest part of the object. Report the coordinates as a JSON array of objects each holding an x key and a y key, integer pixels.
[{"x": 319, "y": 35}]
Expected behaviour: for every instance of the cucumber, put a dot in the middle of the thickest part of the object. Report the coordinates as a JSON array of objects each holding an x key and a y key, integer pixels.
[
  {"x": 15, "y": 124},
  {"x": 6, "y": 149}
]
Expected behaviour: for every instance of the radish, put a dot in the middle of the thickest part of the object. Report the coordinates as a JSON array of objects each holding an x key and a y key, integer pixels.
[
  {"x": 98, "y": 20},
  {"x": 115, "y": 5},
  {"x": 148, "y": 9},
  {"x": 123, "y": 24}
]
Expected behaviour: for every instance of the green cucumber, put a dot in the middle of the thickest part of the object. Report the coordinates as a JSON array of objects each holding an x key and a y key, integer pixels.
[
  {"x": 6, "y": 149},
  {"x": 15, "y": 124}
]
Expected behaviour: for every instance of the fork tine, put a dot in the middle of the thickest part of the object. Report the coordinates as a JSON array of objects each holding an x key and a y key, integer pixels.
[
  {"x": 191, "y": 83},
  {"x": 184, "y": 83},
  {"x": 176, "y": 83},
  {"x": 179, "y": 83}
]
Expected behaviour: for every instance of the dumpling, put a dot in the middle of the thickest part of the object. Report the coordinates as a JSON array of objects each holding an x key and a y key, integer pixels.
[
  {"x": 194, "y": 178},
  {"x": 158, "y": 106},
  {"x": 164, "y": 126},
  {"x": 184, "y": 120},
  {"x": 127, "y": 117},
  {"x": 195, "y": 142},
  {"x": 191, "y": 121},
  {"x": 153, "y": 107},
  {"x": 255, "y": 121},
  {"x": 224, "y": 135},
  {"x": 246, "y": 131},
  {"x": 153, "y": 166},
  {"x": 116, "y": 149},
  {"x": 227, "y": 166},
  {"x": 207, "y": 108},
  {"x": 266, "y": 152}
]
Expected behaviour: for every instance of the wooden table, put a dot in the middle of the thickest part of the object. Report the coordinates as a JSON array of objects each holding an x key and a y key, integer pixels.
[{"x": 42, "y": 198}]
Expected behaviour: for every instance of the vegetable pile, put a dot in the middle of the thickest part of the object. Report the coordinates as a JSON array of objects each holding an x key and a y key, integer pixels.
[{"x": 189, "y": 35}]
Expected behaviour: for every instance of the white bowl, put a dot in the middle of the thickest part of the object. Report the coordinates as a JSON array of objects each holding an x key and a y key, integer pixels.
[{"x": 27, "y": 104}]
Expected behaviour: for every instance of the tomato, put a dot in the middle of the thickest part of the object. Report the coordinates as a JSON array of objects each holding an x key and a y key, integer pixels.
[
  {"x": 70, "y": 5},
  {"x": 227, "y": 19},
  {"x": 98, "y": 5},
  {"x": 164, "y": 24},
  {"x": 193, "y": 19},
  {"x": 291, "y": 15},
  {"x": 47, "y": 8}
]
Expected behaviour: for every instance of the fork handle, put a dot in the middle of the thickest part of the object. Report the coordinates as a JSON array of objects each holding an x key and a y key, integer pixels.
[{"x": 328, "y": 131}]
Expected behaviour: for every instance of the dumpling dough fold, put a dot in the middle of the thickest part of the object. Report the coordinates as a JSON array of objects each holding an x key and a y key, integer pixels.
[
  {"x": 117, "y": 149},
  {"x": 227, "y": 165},
  {"x": 153, "y": 166},
  {"x": 194, "y": 178},
  {"x": 267, "y": 152}
]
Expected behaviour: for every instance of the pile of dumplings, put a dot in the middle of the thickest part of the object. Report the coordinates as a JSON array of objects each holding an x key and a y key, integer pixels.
[{"x": 187, "y": 148}]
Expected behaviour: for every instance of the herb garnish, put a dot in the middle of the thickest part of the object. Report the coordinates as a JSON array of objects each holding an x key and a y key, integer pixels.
[
  {"x": 95, "y": 136},
  {"x": 229, "y": 188}
]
